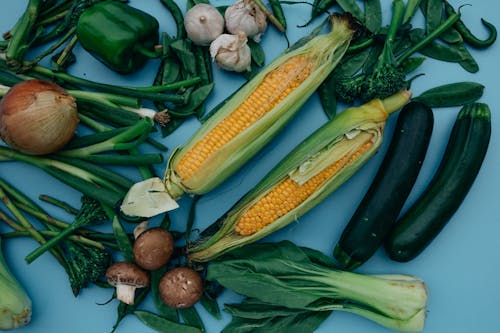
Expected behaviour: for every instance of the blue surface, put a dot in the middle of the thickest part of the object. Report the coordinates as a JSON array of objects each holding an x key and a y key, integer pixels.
[{"x": 460, "y": 267}]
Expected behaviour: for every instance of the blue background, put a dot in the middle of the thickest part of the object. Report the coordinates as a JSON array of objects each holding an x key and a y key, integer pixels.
[{"x": 461, "y": 267}]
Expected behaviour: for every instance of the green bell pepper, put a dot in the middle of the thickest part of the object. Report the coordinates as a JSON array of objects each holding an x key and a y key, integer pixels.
[{"x": 120, "y": 36}]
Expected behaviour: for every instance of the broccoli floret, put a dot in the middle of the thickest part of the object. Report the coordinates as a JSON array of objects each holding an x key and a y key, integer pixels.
[
  {"x": 349, "y": 89},
  {"x": 385, "y": 78},
  {"x": 86, "y": 264},
  {"x": 383, "y": 82}
]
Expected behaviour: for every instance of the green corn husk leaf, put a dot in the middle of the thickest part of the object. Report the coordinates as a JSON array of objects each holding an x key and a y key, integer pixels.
[
  {"x": 345, "y": 133},
  {"x": 326, "y": 51}
]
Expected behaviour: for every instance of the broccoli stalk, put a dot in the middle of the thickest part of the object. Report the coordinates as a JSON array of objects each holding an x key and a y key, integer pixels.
[
  {"x": 84, "y": 259},
  {"x": 386, "y": 78},
  {"x": 91, "y": 212}
]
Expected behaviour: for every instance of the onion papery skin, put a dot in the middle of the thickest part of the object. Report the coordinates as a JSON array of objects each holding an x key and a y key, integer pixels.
[{"x": 37, "y": 117}]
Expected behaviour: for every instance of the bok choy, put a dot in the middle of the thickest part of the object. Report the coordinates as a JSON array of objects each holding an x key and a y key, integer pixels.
[{"x": 294, "y": 282}]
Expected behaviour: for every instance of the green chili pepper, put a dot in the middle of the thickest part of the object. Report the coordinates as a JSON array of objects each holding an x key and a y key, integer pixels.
[
  {"x": 467, "y": 35},
  {"x": 120, "y": 36}
]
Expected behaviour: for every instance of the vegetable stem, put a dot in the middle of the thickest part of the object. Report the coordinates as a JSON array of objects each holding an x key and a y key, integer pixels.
[
  {"x": 21, "y": 33},
  {"x": 448, "y": 23}
]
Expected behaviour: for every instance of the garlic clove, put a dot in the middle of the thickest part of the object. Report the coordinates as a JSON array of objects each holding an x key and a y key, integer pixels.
[
  {"x": 203, "y": 24},
  {"x": 231, "y": 52},
  {"x": 245, "y": 16}
]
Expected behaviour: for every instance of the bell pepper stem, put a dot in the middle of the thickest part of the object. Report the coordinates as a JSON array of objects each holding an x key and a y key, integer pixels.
[{"x": 139, "y": 48}]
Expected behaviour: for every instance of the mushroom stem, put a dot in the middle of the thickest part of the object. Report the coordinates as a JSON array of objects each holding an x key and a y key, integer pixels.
[{"x": 125, "y": 293}]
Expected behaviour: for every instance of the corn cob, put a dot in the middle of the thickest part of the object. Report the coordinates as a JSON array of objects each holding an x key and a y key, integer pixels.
[
  {"x": 313, "y": 170},
  {"x": 249, "y": 119}
]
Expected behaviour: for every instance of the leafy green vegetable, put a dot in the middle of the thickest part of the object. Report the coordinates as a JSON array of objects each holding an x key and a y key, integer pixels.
[{"x": 282, "y": 278}]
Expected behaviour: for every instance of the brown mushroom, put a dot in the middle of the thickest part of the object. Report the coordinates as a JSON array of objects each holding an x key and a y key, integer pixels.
[
  {"x": 126, "y": 277},
  {"x": 180, "y": 287},
  {"x": 153, "y": 248}
]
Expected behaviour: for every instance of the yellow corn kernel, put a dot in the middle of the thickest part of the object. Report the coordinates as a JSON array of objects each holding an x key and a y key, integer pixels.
[
  {"x": 272, "y": 90},
  {"x": 288, "y": 195}
]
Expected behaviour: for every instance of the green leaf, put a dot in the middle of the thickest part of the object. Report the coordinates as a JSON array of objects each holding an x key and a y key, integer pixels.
[
  {"x": 122, "y": 240},
  {"x": 163, "y": 325},
  {"x": 257, "y": 52},
  {"x": 192, "y": 318}
]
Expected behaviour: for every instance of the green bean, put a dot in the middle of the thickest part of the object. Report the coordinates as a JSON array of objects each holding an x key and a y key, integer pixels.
[
  {"x": 435, "y": 50},
  {"x": 277, "y": 10},
  {"x": 327, "y": 98},
  {"x": 452, "y": 94},
  {"x": 467, "y": 35},
  {"x": 192, "y": 318},
  {"x": 169, "y": 69},
  {"x": 320, "y": 6},
  {"x": 191, "y": 218},
  {"x": 360, "y": 46},
  {"x": 183, "y": 50},
  {"x": 196, "y": 99},
  {"x": 203, "y": 71},
  {"x": 163, "y": 325},
  {"x": 172, "y": 125},
  {"x": 411, "y": 8},
  {"x": 411, "y": 64},
  {"x": 257, "y": 52},
  {"x": 210, "y": 305},
  {"x": 467, "y": 60},
  {"x": 433, "y": 13},
  {"x": 176, "y": 13},
  {"x": 351, "y": 64},
  {"x": 352, "y": 7},
  {"x": 372, "y": 58},
  {"x": 451, "y": 53},
  {"x": 451, "y": 36},
  {"x": 373, "y": 15},
  {"x": 122, "y": 240}
]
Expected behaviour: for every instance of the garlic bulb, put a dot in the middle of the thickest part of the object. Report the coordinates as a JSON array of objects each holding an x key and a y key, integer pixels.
[
  {"x": 203, "y": 24},
  {"x": 231, "y": 52},
  {"x": 37, "y": 117},
  {"x": 245, "y": 16}
]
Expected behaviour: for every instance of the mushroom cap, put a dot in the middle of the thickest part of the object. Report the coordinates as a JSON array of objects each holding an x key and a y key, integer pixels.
[
  {"x": 153, "y": 248},
  {"x": 180, "y": 287},
  {"x": 127, "y": 273}
]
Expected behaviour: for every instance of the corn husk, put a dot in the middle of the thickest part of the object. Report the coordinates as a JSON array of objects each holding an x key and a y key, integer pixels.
[
  {"x": 325, "y": 50},
  {"x": 350, "y": 129}
]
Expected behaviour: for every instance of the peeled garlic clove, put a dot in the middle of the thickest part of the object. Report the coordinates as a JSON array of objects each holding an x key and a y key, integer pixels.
[
  {"x": 245, "y": 16},
  {"x": 203, "y": 24},
  {"x": 231, "y": 52}
]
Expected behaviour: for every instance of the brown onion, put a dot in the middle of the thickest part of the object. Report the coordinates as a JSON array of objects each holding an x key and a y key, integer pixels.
[{"x": 37, "y": 117}]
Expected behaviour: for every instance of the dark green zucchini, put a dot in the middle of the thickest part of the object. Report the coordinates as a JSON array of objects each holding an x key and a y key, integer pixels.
[
  {"x": 385, "y": 198},
  {"x": 460, "y": 164}
]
